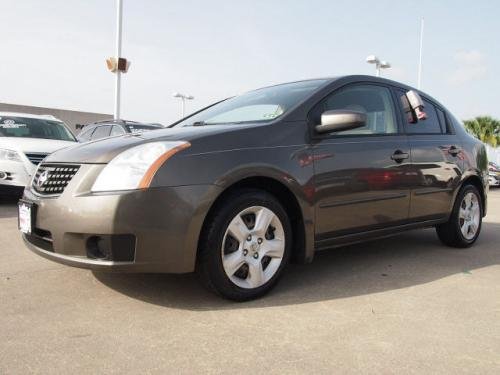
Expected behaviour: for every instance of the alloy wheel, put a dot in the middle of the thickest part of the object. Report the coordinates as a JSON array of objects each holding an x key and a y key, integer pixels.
[{"x": 469, "y": 215}]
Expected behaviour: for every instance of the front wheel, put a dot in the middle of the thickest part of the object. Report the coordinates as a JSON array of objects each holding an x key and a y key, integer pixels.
[
  {"x": 464, "y": 225},
  {"x": 245, "y": 245}
]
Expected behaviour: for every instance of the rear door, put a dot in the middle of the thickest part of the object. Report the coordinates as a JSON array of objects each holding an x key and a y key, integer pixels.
[
  {"x": 436, "y": 161},
  {"x": 360, "y": 174}
]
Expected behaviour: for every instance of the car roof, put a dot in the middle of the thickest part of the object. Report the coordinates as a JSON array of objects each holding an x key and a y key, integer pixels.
[
  {"x": 357, "y": 78},
  {"x": 30, "y": 115},
  {"x": 353, "y": 77}
]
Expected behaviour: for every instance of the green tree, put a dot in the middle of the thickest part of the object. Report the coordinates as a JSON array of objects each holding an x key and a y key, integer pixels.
[{"x": 485, "y": 128}]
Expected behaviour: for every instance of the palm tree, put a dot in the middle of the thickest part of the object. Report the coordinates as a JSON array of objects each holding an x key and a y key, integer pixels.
[{"x": 485, "y": 128}]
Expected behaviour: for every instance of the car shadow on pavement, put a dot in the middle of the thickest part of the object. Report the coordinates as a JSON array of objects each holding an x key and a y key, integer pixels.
[
  {"x": 8, "y": 205},
  {"x": 406, "y": 260}
]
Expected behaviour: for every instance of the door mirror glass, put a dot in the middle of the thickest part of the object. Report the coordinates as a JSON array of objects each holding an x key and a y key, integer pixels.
[
  {"x": 340, "y": 120},
  {"x": 414, "y": 106}
]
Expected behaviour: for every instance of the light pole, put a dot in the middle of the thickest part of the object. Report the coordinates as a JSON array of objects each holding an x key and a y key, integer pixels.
[
  {"x": 372, "y": 59},
  {"x": 183, "y": 98},
  {"x": 419, "y": 79},
  {"x": 118, "y": 54},
  {"x": 118, "y": 64}
]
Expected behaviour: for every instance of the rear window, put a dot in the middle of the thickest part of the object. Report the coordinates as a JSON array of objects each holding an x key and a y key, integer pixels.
[{"x": 25, "y": 127}]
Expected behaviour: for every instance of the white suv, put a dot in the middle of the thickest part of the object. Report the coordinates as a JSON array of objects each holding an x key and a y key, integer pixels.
[{"x": 25, "y": 140}]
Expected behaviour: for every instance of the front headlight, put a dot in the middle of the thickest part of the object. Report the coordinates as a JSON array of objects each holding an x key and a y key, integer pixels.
[
  {"x": 136, "y": 167},
  {"x": 10, "y": 155}
]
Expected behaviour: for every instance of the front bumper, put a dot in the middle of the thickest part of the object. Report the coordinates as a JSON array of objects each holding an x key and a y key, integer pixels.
[{"x": 161, "y": 225}]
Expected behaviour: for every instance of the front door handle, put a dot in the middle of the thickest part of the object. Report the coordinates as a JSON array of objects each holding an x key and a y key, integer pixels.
[
  {"x": 454, "y": 150},
  {"x": 399, "y": 156}
]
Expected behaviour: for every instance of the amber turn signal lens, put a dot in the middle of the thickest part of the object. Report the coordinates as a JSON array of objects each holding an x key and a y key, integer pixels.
[{"x": 150, "y": 173}]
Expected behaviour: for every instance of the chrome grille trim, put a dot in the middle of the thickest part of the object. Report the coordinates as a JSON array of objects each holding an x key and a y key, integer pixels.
[{"x": 52, "y": 179}]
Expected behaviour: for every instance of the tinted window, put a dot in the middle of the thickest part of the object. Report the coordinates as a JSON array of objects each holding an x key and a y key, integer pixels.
[
  {"x": 430, "y": 125},
  {"x": 101, "y": 132},
  {"x": 117, "y": 130},
  {"x": 25, "y": 127},
  {"x": 374, "y": 101}
]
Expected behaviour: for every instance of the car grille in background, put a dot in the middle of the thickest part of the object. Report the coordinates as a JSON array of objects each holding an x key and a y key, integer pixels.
[
  {"x": 52, "y": 179},
  {"x": 36, "y": 158}
]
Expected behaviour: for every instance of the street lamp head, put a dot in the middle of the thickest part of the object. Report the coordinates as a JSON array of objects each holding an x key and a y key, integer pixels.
[
  {"x": 385, "y": 64},
  {"x": 177, "y": 95},
  {"x": 189, "y": 97},
  {"x": 372, "y": 59}
]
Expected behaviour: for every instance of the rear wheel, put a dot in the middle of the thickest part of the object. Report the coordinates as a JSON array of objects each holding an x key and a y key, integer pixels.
[
  {"x": 245, "y": 246},
  {"x": 464, "y": 225}
]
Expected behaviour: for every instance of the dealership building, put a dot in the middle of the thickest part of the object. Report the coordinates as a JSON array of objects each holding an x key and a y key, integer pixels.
[{"x": 71, "y": 118}]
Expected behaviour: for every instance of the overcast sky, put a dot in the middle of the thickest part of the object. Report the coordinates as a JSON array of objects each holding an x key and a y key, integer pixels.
[{"x": 52, "y": 52}]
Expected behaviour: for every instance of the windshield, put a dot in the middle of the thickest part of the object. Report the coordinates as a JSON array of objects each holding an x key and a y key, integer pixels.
[
  {"x": 261, "y": 105},
  {"x": 34, "y": 128}
]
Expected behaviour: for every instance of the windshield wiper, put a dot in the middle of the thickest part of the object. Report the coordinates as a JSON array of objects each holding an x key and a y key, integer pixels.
[{"x": 203, "y": 123}]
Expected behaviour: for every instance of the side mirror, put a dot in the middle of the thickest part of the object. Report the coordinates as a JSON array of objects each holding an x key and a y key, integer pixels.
[
  {"x": 414, "y": 105},
  {"x": 339, "y": 120}
]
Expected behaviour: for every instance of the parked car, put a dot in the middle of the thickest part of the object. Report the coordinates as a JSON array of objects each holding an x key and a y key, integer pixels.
[
  {"x": 240, "y": 188},
  {"x": 494, "y": 174},
  {"x": 110, "y": 128},
  {"x": 25, "y": 140}
]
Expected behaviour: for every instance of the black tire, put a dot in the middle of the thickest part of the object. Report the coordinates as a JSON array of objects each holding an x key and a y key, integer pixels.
[
  {"x": 449, "y": 233},
  {"x": 209, "y": 266}
]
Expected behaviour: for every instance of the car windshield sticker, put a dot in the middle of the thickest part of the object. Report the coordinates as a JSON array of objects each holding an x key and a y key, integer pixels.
[{"x": 11, "y": 124}]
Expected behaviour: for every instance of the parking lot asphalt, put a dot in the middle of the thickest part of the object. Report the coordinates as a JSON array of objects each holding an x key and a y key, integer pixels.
[{"x": 404, "y": 304}]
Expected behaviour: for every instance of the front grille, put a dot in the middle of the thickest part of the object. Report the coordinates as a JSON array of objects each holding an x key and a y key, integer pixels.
[
  {"x": 52, "y": 179},
  {"x": 36, "y": 158}
]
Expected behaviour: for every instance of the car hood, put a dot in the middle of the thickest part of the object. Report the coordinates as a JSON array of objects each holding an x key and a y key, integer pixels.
[
  {"x": 103, "y": 150},
  {"x": 40, "y": 145}
]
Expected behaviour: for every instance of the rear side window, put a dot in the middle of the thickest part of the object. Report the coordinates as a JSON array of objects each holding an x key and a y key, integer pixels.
[
  {"x": 101, "y": 132},
  {"x": 431, "y": 125},
  {"x": 117, "y": 130}
]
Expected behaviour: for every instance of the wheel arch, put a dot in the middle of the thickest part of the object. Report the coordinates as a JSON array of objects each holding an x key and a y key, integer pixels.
[
  {"x": 477, "y": 182},
  {"x": 303, "y": 241}
]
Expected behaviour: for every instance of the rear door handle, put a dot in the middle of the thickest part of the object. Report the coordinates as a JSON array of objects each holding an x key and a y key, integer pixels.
[
  {"x": 454, "y": 150},
  {"x": 399, "y": 156}
]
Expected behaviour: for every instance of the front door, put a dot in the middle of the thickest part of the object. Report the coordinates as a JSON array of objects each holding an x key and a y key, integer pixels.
[{"x": 361, "y": 175}]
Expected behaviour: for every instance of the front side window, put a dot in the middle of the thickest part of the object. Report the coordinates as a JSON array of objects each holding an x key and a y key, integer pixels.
[
  {"x": 34, "y": 128},
  {"x": 262, "y": 105},
  {"x": 101, "y": 132},
  {"x": 85, "y": 134},
  {"x": 374, "y": 101}
]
